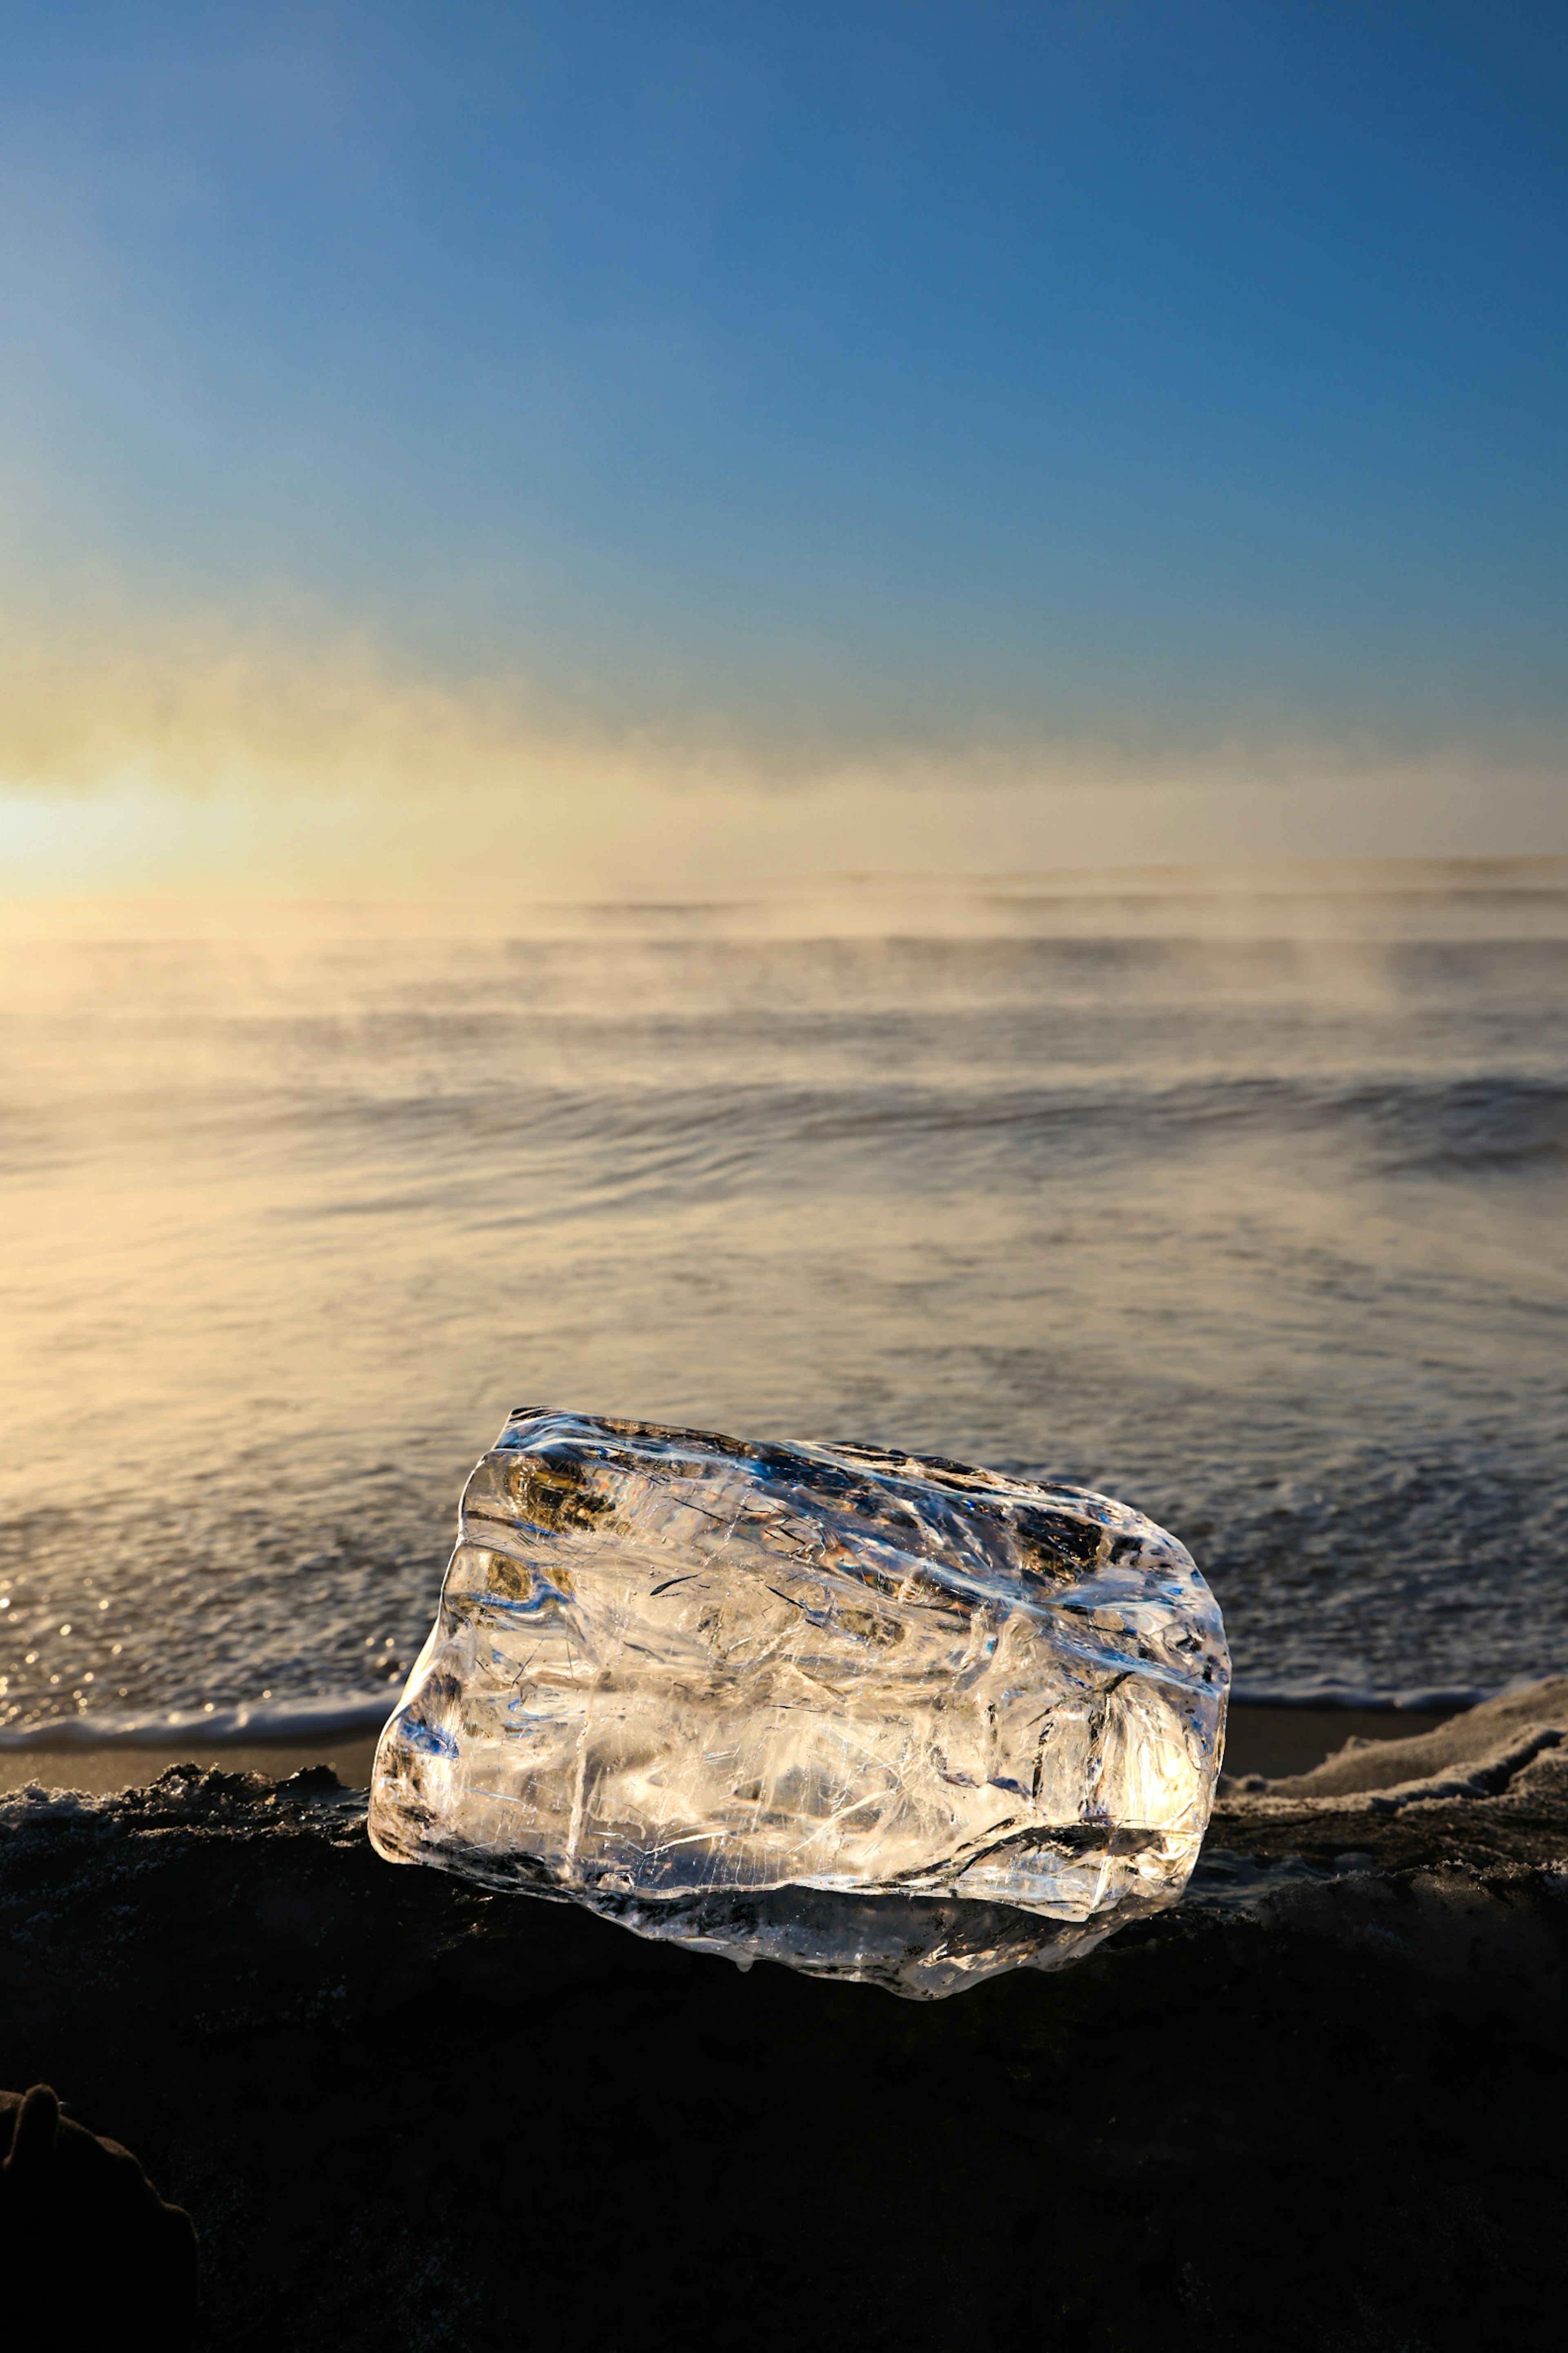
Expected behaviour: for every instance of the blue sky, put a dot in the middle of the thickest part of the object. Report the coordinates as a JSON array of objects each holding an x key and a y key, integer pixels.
[{"x": 1165, "y": 382}]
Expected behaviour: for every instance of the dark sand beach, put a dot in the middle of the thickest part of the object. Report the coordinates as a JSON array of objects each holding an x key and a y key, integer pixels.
[{"x": 1323, "y": 2097}]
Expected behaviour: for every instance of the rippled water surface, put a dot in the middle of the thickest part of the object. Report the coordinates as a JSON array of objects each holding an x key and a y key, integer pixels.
[{"x": 1248, "y": 1205}]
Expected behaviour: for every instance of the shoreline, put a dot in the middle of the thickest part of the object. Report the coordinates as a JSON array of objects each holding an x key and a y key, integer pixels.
[
  {"x": 100, "y": 1772},
  {"x": 1290, "y": 2077},
  {"x": 1270, "y": 1740}
]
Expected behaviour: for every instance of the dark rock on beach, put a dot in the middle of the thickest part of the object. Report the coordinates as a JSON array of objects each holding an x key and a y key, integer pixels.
[
  {"x": 85, "y": 2242},
  {"x": 1320, "y": 2105}
]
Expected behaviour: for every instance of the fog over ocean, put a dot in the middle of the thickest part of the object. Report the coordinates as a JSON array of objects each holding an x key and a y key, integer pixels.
[{"x": 1241, "y": 1197}]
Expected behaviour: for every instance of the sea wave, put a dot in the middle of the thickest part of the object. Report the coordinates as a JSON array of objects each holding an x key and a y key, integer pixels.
[
  {"x": 326, "y": 1717},
  {"x": 590, "y": 1149},
  {"x": 1372, "y": 1698},
  {"x": 302, "y": 1719}
]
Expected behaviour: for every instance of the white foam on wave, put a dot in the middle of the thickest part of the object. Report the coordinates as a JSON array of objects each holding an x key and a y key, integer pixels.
[
  {"x": 323, "y": 1715},
  {"x": 1391, "y": 1699},
  {"x": 318, "y": 1716}
]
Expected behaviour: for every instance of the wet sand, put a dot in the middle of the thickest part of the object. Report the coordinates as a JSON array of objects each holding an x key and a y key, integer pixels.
[
  {"x": 98, "y": 1772},
  {"x": 1268, "y": 1740}
]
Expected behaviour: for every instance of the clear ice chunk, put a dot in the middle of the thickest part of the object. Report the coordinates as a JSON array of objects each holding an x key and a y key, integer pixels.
[{"x": 869, "y": 1716}]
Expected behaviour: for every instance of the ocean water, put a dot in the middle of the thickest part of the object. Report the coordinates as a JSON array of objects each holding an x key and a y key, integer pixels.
[{"x": 1243, "y": 1196}]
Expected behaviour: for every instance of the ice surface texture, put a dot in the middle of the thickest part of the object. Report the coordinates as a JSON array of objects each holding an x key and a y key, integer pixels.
[{"x": 869, "y": 1716}]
